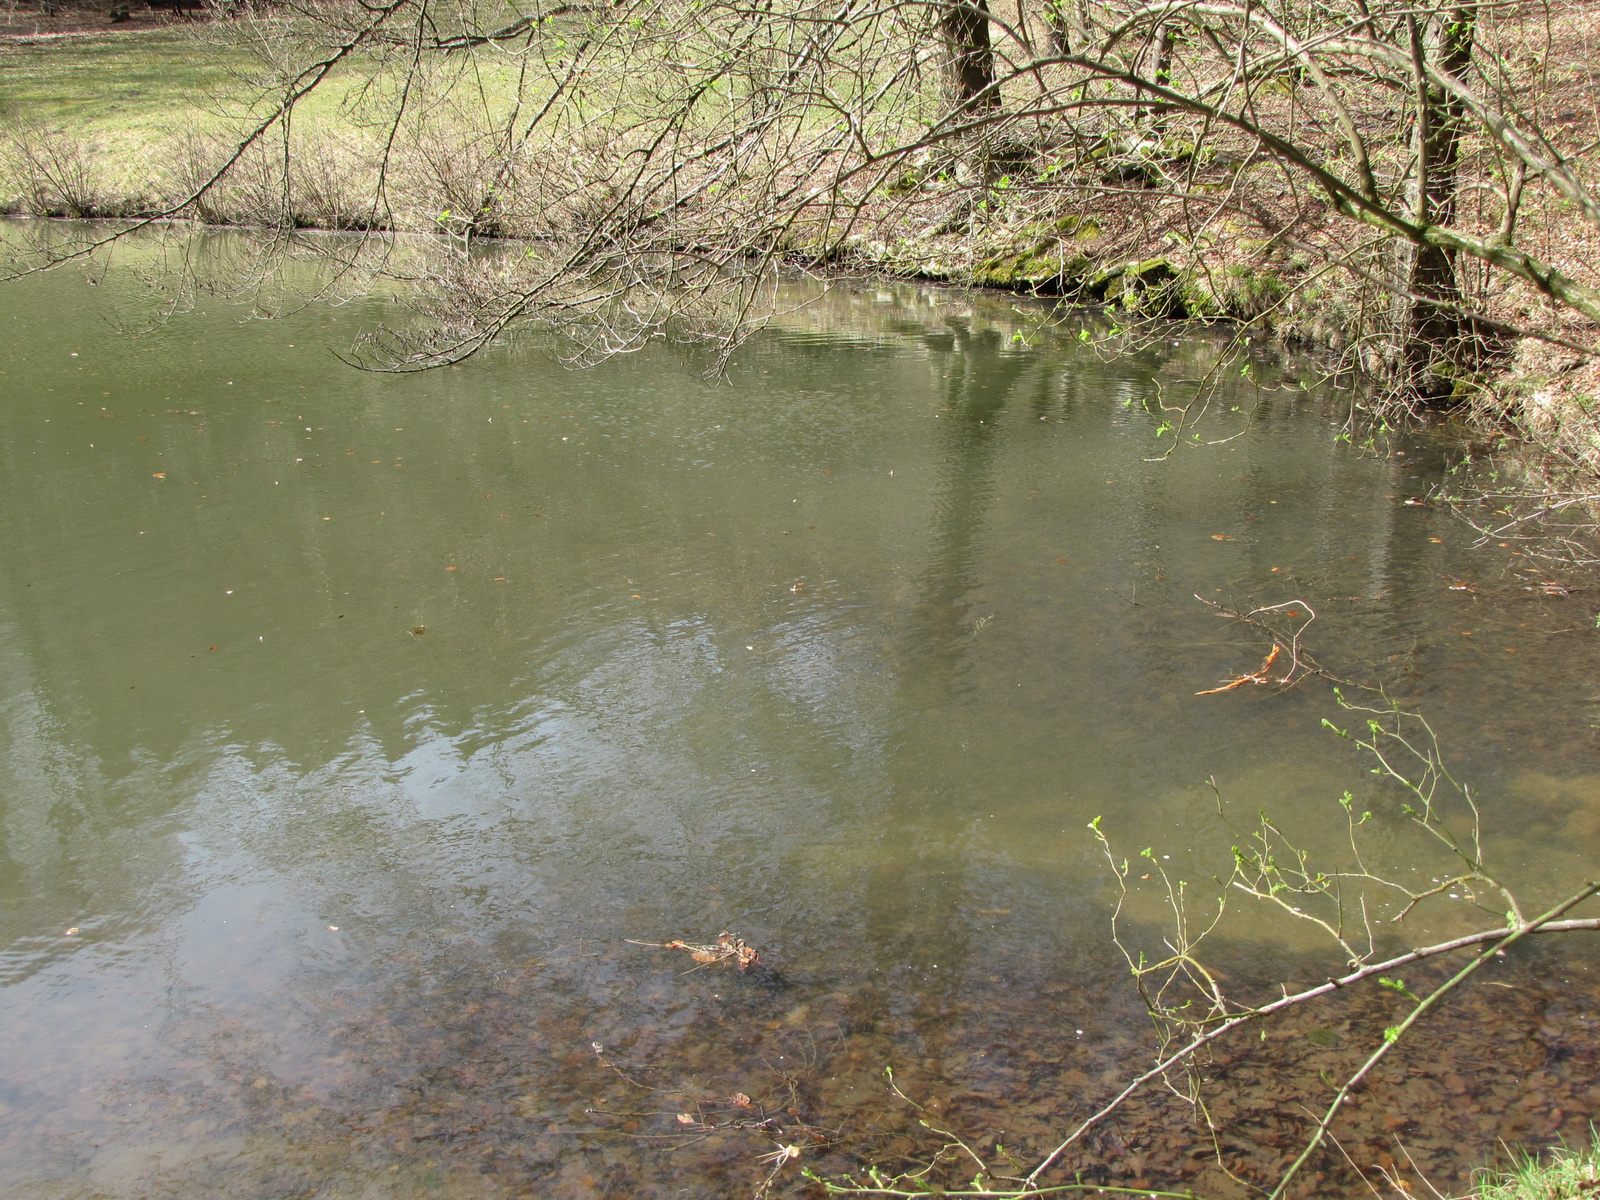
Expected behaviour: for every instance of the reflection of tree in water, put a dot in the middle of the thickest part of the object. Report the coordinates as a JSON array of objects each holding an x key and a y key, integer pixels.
[{"x": 920, "y": 891}]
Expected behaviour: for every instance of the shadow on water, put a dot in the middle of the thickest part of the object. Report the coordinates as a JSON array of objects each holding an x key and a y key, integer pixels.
[{"x": 355, "y": 724}]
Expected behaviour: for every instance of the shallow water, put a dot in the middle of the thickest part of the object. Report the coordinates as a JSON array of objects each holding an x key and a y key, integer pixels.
[{"x": 355, "y": 723}]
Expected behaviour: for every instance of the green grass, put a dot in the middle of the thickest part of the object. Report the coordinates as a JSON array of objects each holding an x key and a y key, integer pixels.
[
  {"x": 128, "y": 97},
  {"x": 113, "y": 82},
  {"x": 1560, "y": 1174},
  {"x": 130, "y": 92}
]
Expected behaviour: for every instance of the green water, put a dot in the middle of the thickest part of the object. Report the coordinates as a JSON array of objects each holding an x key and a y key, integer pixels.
[{"x": 356, "y": 722}]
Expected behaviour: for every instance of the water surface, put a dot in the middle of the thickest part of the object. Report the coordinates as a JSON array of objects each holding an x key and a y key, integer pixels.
[{"x": 354, "y": 723}]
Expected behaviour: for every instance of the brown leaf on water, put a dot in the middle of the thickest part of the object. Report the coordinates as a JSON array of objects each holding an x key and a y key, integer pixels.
[
  {"x": 1260, "y": 676},
  {"x": 686, "y": 1119},
  {"x": 726, "y": 947},
  {"x": 740, "y": 1100},
  {"x": 735, "y": 947}
]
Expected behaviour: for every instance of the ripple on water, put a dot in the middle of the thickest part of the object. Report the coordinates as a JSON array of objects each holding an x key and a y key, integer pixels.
[{"x": 843, "y": 658}]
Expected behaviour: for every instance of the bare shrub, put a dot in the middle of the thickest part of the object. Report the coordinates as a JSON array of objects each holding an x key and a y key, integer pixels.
[
  {"x": 452, "y": 177},
  {"x": 197, "y": 156},
  {"x": 52, "y": 171},
  {"x": 318, "y": 181},
  {"x": 329, "y": 180}
]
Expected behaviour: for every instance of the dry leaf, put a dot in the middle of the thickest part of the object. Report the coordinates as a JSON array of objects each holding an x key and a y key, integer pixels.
[
  {"x": 727, "y": 946},
  {"x": 1260, "y": 675}
]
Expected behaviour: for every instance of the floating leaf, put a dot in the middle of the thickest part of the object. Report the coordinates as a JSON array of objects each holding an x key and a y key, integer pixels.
[
  {"x": 1260, "y": 675},
  {"x": 726, "y": 947}
]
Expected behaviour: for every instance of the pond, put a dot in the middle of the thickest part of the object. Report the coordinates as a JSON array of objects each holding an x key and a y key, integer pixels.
[{"x": 355, "y": 729}]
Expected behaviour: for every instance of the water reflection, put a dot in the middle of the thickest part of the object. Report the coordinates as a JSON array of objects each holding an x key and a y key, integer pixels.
[{"x": 355, "y": 722}]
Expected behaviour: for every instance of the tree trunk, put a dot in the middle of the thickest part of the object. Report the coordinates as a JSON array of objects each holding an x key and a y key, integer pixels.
[
  {"x": 1163, "y": 76},
  {"x": 1440, "y": 343},
  {"x": 965, "y": 27}
]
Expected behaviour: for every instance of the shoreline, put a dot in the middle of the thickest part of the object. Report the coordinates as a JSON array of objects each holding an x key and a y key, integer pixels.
[
  {"x": 110, "y": 125},
  {"x": 1539, "y": 395}
]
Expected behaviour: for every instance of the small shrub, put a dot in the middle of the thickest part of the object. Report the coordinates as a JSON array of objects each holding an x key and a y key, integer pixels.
[
  {"x": 53, "y": 172},
  {"x": 328, "y": 184}
]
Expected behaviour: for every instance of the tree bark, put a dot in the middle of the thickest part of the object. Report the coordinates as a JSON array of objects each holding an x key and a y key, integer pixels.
[
  {"x": 965, "y": 27},
  {"x": 1440, "y": 342}
]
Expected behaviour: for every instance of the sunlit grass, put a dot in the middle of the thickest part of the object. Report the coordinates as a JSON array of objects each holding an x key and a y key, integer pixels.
[
  {"x": 134, "y": 113},
  {"x": 117, "y": 80},
  {"x": 1559, "y": 1174}
]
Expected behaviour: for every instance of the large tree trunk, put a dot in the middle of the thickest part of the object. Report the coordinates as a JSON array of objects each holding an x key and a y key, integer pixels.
[
  {"x": 1440, "y": 342},
  {"x": 965, "y": 27}
]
